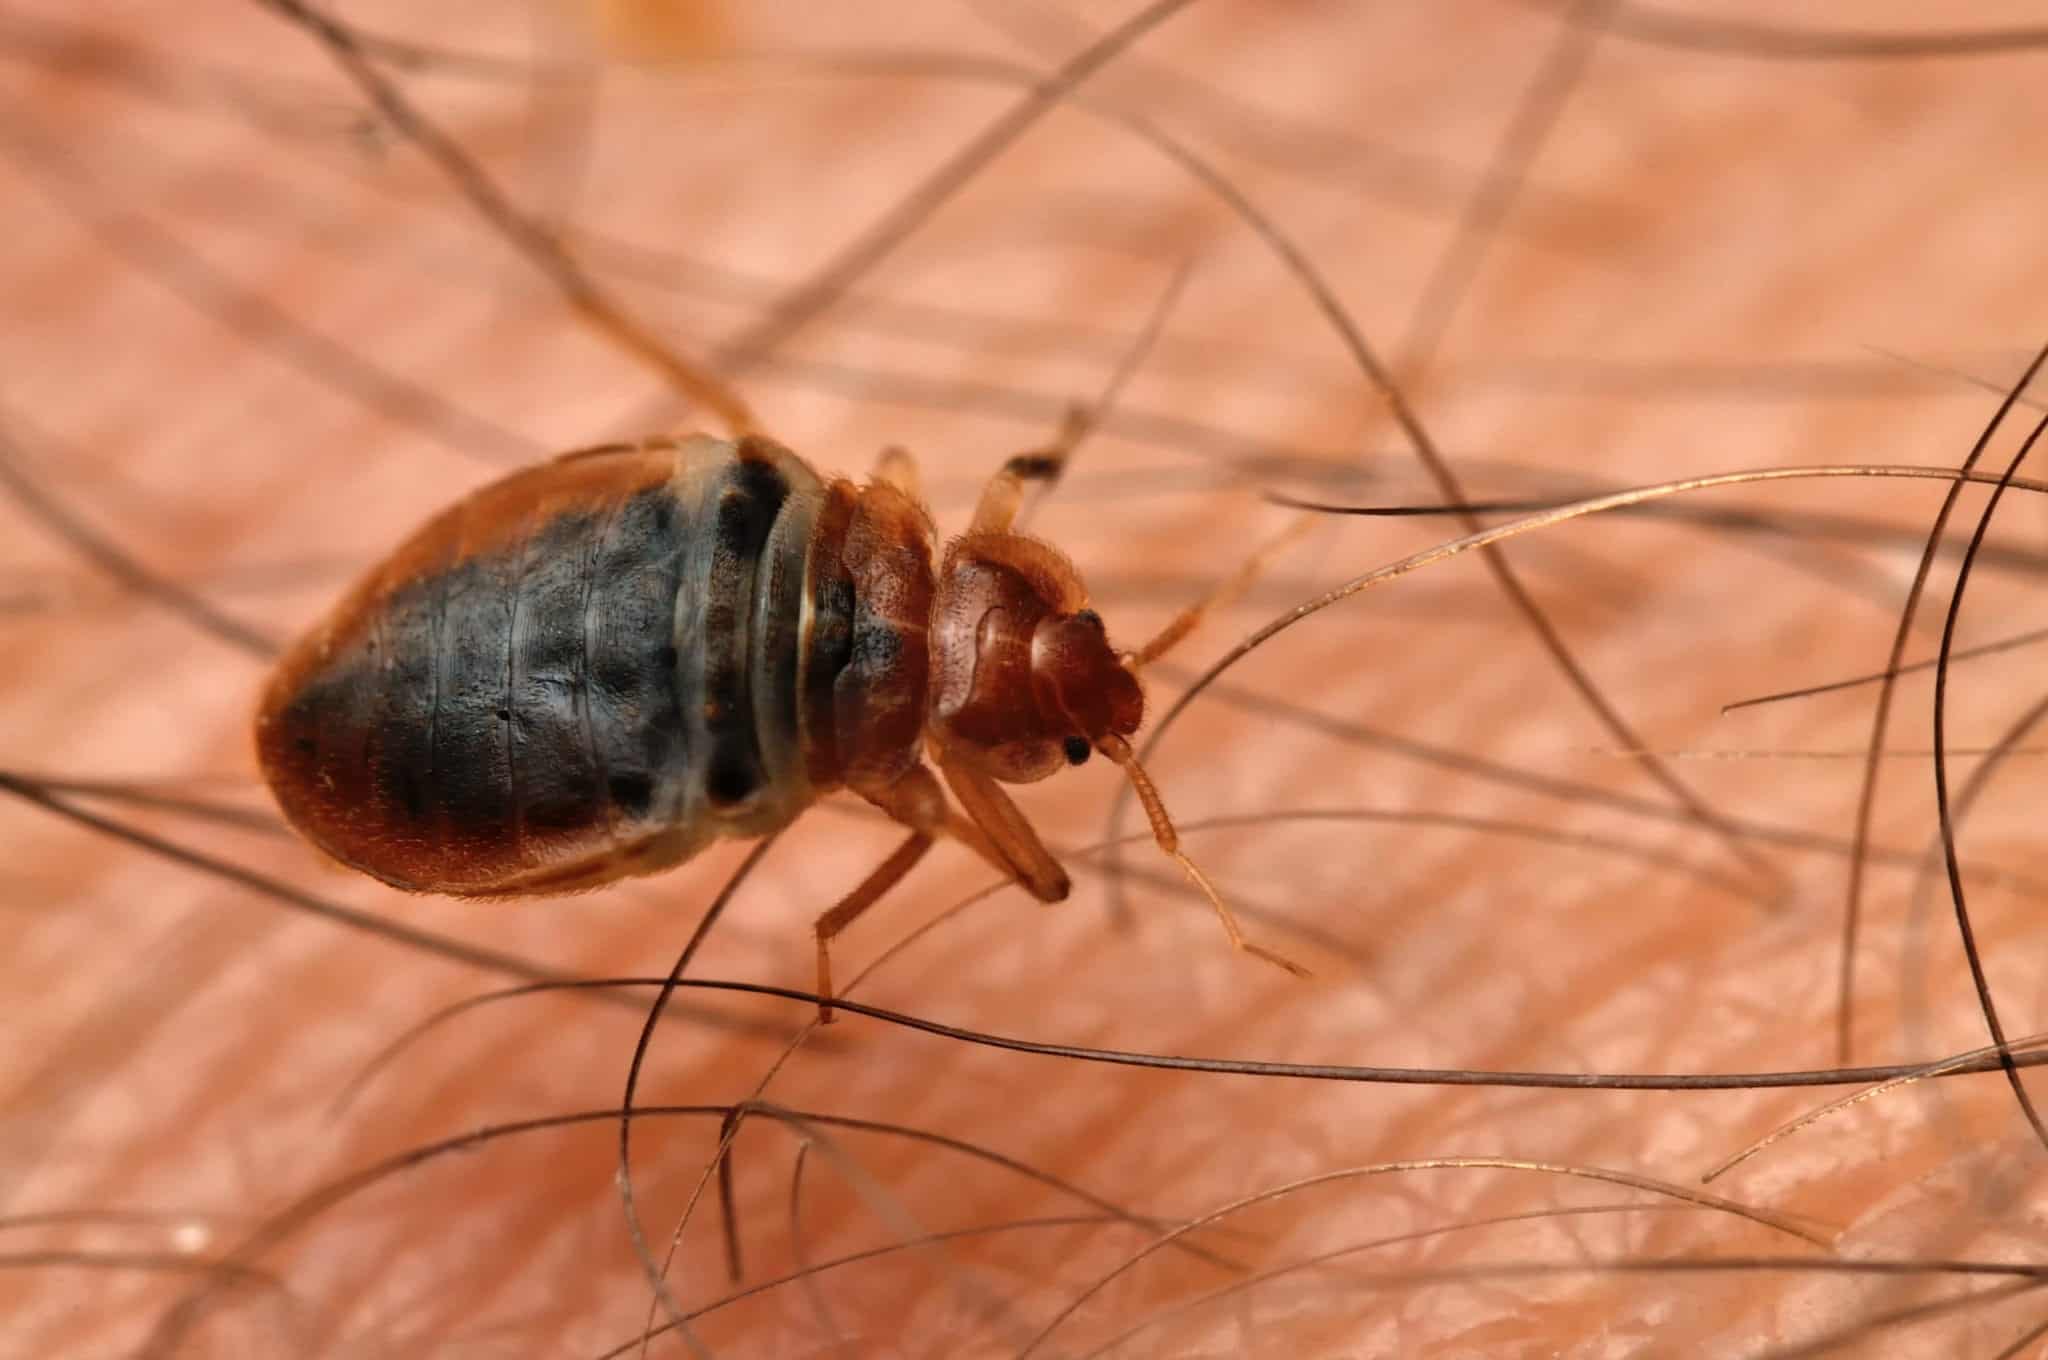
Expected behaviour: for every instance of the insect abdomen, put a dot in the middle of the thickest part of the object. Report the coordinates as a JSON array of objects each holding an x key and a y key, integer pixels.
[{"x": 554, "y": 684}]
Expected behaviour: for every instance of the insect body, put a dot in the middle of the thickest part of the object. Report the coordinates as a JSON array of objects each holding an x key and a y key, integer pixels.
[{"x": 596, "y": 666}]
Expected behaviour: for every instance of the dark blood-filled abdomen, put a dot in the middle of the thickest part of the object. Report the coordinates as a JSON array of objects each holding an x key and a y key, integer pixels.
[{"x": 517, "y": 700}]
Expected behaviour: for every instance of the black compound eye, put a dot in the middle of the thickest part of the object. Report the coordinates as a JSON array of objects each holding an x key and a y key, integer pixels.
[
  {"x": 1089, "y": 616},
  {"x": 1077, "y": 750}
]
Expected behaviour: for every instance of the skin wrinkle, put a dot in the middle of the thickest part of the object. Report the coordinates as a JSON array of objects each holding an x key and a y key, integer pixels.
[{"x": 181, "y": 1040}]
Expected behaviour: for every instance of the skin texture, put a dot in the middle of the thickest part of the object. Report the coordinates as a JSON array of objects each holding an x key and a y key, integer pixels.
[{"x": 253, "y": 338}]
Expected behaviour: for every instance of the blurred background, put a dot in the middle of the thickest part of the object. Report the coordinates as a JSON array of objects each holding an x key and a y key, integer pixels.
[{"x": 254, "y": 333}]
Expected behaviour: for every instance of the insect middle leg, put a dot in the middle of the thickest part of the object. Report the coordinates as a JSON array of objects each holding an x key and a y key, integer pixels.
[{"x": 886, "y": 875}]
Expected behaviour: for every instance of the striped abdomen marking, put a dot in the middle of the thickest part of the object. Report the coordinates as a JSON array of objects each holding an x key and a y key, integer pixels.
[{"x": 557, "y": 682}]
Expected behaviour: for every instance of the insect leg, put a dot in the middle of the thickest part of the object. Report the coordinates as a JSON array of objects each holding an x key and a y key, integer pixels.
[
  {"x": 885, "y": 877},
  {"x": 1002, "y": 503},
  {"x": 896, "y": 467},
  {"x": 991, "y": 810},
  {"x": 1185, "y": 622},
  {"x": 916, "y": 800},
  {"x": 1002, "y": 500}
]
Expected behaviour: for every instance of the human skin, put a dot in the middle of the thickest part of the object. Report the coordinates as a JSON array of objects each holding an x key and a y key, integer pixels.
[{"x": 1718, "y": 262}]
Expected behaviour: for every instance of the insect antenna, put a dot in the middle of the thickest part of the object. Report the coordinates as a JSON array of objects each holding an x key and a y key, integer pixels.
[{"x": 1119, "y": 750}]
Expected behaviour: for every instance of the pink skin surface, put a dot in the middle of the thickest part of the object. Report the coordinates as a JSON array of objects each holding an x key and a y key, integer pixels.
[{"x": 252, "y": 337}]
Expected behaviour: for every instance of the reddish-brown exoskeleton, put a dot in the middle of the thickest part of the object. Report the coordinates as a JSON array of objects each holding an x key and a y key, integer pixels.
[{"x": 596, "y": 666}]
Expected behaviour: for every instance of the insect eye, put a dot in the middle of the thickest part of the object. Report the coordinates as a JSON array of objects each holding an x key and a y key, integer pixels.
[
  {"x": 1077, "y": 750},
  {"x": 1089, "y": 616}
]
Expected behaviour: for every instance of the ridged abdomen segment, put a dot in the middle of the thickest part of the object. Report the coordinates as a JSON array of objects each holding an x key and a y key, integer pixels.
[{"x": 551, "y": 685}]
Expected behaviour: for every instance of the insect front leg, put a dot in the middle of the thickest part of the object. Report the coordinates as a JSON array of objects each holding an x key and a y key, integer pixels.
[
  {"x": 1002, "y": 500},
  {"x": 897, "y": 467},
  {"x": 1009, "y": 830},
  {"x": 1187, "y": 620}
]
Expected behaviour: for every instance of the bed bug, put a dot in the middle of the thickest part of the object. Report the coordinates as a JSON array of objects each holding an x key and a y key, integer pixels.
[{"x": 597, "y": 665}]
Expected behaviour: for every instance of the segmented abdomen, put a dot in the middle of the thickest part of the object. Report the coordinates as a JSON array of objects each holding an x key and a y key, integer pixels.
[{"x": 583, "y": 671}]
